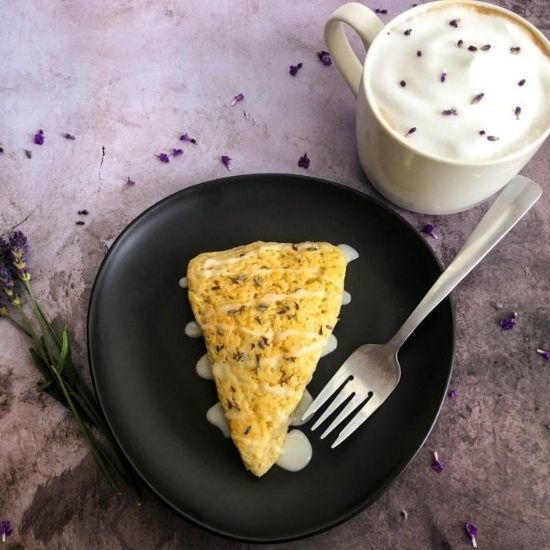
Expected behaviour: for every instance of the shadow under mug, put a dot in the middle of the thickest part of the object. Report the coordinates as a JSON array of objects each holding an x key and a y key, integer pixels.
[{"x": 412, "y": 179}]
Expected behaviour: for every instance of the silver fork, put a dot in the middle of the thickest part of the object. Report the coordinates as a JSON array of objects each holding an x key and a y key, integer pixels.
[{"x": 372, "y": 372}]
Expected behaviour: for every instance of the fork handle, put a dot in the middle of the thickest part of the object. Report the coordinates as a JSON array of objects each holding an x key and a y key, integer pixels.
[{"x": 511, "y": 205}]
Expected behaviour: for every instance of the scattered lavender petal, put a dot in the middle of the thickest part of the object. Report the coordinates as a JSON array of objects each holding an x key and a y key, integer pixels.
[
  {"x": 83, "y": 212},
  {"x": 517, "y": 112},
  {"x": 130, "y": 182},
  {"x": 521, "y": 82},
  {"x": 39, "y": 137},
  {"x": 459, "y": 43},
  {"x": 443, "y": 77},
  {"x": 402, "y": 84},
  {"x": 515, "y": 50},
  {"x": 429, "y": 230},
  {"x": 472, "y": 49},
  {"x": 80, "y": 222},
  {"x": 185, "y": 137},
  {"x": 454, "y": 23},
  {"x": 509, "y": 322},
  {"x": 177, "y": 152},
  {"x": 293, "y": 70},
  {"x": 383, "y": 12},
  {"x": 544, "y": 353},
  {"x": 485, "y": 48},
  {"x": 471, "y": 531},
  {"x": 1, "y": 149},
  {"x": 225, "y": 161},
  {"x": 28, "y": 153},
  {"x": 163, "y": 157},
  {"x": 452, "y": 394},
  {"x": 5, "y": 529},
  {"x": 324, "y": 58},
  {"x": 493, "y": 138},
  {"x": 437, "y": 465},
  {"x": 407, "y": 32},
  {"x": 303, "y": 161},
  {"x": 411, "y": 131},
  {"x": 448, "y": 112},
  {"x": 69, "y": 136},
  {"x": 477, "y": 98},
  {"x": 419, "y": 53},
  {"x": 236, "y": 99}
]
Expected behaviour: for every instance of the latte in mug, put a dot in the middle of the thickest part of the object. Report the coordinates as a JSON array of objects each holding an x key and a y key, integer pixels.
[{"x": 462, "y": 82}]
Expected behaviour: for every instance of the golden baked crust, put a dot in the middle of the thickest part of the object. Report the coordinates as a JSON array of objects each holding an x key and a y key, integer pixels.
[{"x": 266, "y": 311}]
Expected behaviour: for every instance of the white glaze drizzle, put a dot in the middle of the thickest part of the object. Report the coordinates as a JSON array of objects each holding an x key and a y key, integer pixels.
[
  {"x": 193, "y": 330},
  {"x": 305, "y": 402},
  {"x": 204, "y": 368},
  {"x": 296, "y": 453},
  {"x": 349, "y": 252}
]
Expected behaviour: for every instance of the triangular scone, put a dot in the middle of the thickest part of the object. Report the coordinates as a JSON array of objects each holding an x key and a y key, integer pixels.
[{"x": 266, "y": 311}]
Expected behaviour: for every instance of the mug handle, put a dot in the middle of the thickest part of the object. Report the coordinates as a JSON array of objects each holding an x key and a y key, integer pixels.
[{"x": 366, "y": 24}]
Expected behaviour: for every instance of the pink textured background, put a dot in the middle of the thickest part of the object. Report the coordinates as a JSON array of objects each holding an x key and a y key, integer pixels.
[{"x": 130, "y": 77}]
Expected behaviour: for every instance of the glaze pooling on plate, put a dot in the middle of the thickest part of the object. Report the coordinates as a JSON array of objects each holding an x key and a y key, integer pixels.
[
  {"x": 349, "y": 252},
  {"x": 215, "y": 416},
  {"x": 183, "y": 282},
  {"x": 330, "y": 346},
  {"x": 204, "y": 368},
  {"x": 346, "y": 298},
  {"x": 296, "y": 453},
  {"x": 305, "y": 402},
  {"x": 193, "y": 330}
]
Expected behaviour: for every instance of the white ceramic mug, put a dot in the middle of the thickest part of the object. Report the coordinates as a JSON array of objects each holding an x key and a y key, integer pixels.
[{"x": 416, "y": 181}]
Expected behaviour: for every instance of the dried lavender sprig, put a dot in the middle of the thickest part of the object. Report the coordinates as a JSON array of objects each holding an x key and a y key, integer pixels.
[{"x": 61, "y": 380}]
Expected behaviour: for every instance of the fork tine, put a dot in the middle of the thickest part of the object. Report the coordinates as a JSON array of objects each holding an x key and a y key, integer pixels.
[
  {"x": 370, "y": 406},
  {"x": 343, "y": 394},
  {"x": 332, "y": 385},
  {"x": 355, "y": 401}
]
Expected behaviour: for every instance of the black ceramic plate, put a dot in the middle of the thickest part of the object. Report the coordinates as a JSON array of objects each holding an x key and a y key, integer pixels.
[{"x": 144, "y": 366}]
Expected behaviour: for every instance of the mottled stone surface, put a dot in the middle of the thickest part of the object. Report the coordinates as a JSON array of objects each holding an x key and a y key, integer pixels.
[{"x": 126, "y": 78}]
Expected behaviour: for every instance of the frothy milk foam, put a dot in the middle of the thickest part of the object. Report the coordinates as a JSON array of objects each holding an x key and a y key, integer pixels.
[{"x": 462, "y": 83}]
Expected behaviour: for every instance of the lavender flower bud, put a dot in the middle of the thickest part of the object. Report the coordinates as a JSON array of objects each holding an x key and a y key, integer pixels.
[{"x": 6, "y": 280}]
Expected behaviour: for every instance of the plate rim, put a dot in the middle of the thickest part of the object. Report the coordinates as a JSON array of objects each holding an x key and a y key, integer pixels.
[{"x": 226, "y": 180}]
